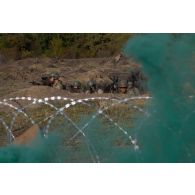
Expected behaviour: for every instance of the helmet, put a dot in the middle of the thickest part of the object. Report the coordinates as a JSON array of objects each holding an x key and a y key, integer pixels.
[
  {"x": 55, "y": 75},
  {"x": 122, "y": 84}
]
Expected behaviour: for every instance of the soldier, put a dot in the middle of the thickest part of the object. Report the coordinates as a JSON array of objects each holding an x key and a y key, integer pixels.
[
  {"x": 122, "y": 86},
  {"x": 107, "y": 87},
  {"x": 68, "y": 87},
  {"x": 103, "y": 87},
  {"x": 114, "y": 85},
  {"x": 100, "y": 87},
  {"x": 138, "y": 81},
  {"x": 130, "y": 88},
  {"x": 55, "y": 82},
  {"x": 129, "y": 85},
  {"x": 43, "y": 81},
  {"x": 52, "y": 80},
  {"x": 91, "y": 86},
  {"x": 58, "y": 84},
  {"x": 76, "y": 87},
  {"x": 46, "y": 80}
]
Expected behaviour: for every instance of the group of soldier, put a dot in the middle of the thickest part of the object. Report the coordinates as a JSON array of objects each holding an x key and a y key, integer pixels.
[{"x": 133, "y": 82}]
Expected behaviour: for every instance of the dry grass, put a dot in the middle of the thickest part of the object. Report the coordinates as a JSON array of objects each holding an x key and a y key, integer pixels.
[{"x": 123, "y": 114}]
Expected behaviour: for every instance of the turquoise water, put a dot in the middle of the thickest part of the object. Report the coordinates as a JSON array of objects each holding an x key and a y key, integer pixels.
[{"x": 167, "y": 134}]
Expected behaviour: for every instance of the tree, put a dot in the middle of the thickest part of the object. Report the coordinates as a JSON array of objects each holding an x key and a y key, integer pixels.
[{"x": 56, "y": 48}]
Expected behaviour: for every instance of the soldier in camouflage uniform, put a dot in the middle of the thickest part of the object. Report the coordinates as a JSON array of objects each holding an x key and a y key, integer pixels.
[
  {"x": 52, "y": 80},
  {"x": 122, "y": 86},
  {"x": 58, "y": 84},
  {"x": 138, "y": 81},
  {"x": 56, "y": 81},
  {"x": 113, "y": 88},
  {"x": 91, "y": 86},
  {"x": 76, "y": 87}
]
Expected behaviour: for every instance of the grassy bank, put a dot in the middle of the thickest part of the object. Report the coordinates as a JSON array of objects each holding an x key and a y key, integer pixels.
[{"x": 122, "y": 114}]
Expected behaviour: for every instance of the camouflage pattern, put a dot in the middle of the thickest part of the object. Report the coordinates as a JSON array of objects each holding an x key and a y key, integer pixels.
[
  {"x": 52, "y": 80},
  {"x": 58, "y": 84},
  {"x": 114, "y": 85},
  {"x": 129, "y": 85},
  {"x": 122, "y": 86},
  {"x": 91, "y": 86},
  {"x": 132, "y": 82},
  {"x": 76, "y": 87}
]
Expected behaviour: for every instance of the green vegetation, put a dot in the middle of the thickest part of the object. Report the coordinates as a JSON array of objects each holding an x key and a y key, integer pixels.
[{"x": 66, "y": 45}]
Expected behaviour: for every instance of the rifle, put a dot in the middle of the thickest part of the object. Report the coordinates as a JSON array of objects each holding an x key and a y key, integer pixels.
[{"x": 36, "y": 82}]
